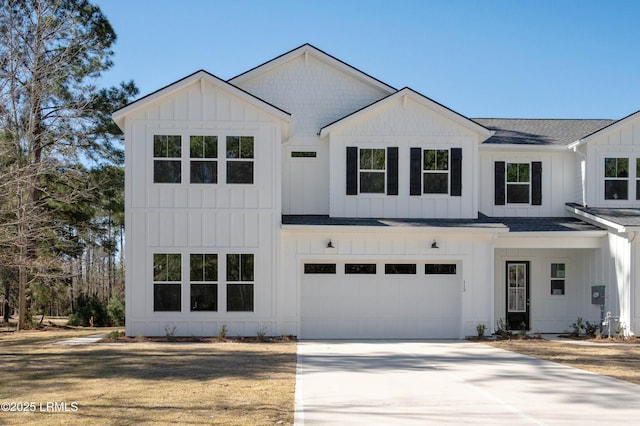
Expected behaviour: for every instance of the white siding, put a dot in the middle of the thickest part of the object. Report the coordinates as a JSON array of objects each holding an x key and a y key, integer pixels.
[
  {"x": 405, "y": 124},
  {"x": 621, "y": 142},
  {"x": 472, "y": 253},
  {"x": 558, "y": 182},
  {"x": 201, "y": 218}
]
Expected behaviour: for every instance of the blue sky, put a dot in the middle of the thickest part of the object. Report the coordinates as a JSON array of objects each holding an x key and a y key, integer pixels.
[{"x": 489, "y": 58}]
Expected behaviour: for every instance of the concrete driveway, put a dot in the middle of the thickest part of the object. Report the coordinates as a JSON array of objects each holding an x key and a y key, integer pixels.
[{"x": 450, "y": 382}]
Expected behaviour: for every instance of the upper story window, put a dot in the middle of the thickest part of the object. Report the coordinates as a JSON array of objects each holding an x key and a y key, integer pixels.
[
  {"x": 372, "y": 170},
  {"x": 203, "y": 151},
  {"x": 435, "y": 171},
  {"x": 435, "y": 168},
  {"x": 616, "y": 179},
  {"x": 239, "y": 159},
  {"x": 167, "y": 155},
  {"x": 518, "y": 183}
]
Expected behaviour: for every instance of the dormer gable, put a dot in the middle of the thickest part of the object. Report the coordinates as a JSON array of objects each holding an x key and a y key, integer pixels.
[
  {"x": 202, "y": 78},
  {"x": 429, "y": 118},
  {"x": 306, "y": 51}
]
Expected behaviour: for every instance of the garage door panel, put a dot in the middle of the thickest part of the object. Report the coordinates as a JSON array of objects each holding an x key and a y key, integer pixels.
[{"x": 343, "y": 306}]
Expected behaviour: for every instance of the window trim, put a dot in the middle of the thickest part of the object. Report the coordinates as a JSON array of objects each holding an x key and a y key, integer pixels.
[
  {"x": 157, "y": 283},
  {"x": 517, "y": 183},
  {"x": 204, "y": 281},
  {"x": 240, "y": 159},
  {"x": 425, "y": 172},
  {"x": 240, "y": 282},
  {"x": 203, "y": 159},
  {"x": 382, "y": 171},
  {"x": 626, "y": 179},
  {"x": 166, "y": 159},
  {"x": 558, "y": 279}
]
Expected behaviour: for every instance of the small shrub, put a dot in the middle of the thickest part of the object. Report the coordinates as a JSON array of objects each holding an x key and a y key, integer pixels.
[
  {"x": 170, "y": 332},
  {"x": 523, "y": 330},
  {"x": 618, "y": 333},
  {"x": 480, "y": 329},
  {"x": 262, "y": 334},
  {"x": 577, "y": 327},
  {"x": 222, "y": 333},
  {"x": 113, "y": 335},
  {"x": 502, "y": 329},
  {"x": 590, "y": 329}
]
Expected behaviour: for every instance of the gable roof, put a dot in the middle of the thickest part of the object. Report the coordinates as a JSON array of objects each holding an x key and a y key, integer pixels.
[
  {"x": 518, "y": 131},
  {"x": 611, "y": 127},
  {"x": 418, "y": 97},
  {"x": 118, "y": 115},
  {"x": 308, "y": 49}
]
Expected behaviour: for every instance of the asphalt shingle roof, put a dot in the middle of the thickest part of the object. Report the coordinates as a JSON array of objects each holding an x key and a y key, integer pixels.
[
  {"x": 514, "y": 224},
  {"x": 621, "y": 216},
  {"x": 539, "y": 131}
]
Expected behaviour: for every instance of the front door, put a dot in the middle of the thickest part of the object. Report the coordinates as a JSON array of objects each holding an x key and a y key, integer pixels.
[{"x": 517, "y": 294}]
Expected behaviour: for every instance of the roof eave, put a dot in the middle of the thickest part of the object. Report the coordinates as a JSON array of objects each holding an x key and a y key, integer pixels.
[{"x": 119, "y": 115}]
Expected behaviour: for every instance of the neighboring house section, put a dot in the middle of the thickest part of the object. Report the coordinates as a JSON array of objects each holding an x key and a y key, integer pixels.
[{"x": 305, "y": 197}]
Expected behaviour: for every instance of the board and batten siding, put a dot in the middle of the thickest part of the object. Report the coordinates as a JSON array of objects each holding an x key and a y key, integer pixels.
[
  {"x": 557, "y": 182},
  {"x": 619, "y": 142},
  {"x": 404, "y": 124},
  {"x": 473, "y": 252},
  {"x": 201, "y": 218}
]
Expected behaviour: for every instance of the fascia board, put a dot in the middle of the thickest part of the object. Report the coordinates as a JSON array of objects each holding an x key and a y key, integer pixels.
[
  {"x": 345, "y": 229},
  {"x": 118, "y": 116},
  {"x": 599, "y": 221},
  {"x": 417, "y": 97},
  {"x": 599, "y": 133},
  {"x": 307, "y": 49},
  {"x": 520, "y": 147}
]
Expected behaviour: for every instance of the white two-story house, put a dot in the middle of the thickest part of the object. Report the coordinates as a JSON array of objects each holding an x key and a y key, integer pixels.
[{"x": 305, "y": 197}]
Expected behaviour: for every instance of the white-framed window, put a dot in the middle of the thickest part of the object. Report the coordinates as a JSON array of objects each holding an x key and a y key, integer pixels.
[
  {"x": 240, "y": 281},
  {"x": 435, "y": 171},
  {"x": 518, "y": 183},
  {"x": 203, "y": 153},
  {"x": 616, "y": 178},
  {"x": 203, "y": 276},
  {"x": 372, "y": 170},
  {"x": 558, "y": 271},
  {"x": 167, "y": 282},
  {"x": 240, "y": 159},
  {"x": 167, "y": 158}
]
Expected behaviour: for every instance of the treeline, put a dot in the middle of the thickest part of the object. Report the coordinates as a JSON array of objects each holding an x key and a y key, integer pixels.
[{"x": 61, "y": 176}]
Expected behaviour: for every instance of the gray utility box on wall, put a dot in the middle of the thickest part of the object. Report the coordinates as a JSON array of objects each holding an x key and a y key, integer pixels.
[{"x": 597, "y": 295}]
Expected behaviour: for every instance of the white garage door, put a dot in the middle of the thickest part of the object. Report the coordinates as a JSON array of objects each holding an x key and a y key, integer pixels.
[{"x": 380, "y": 300}]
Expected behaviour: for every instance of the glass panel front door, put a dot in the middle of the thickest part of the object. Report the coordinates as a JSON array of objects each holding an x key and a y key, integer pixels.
[{"x": 517, "y": 280}]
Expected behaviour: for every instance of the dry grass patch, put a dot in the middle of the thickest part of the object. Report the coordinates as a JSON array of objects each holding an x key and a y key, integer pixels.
[
  {"x": 620, "y": 361},
  {"x": 148, "y": 382}
]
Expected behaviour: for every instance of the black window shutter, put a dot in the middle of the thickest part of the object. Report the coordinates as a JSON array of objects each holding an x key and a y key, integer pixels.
[
  {"x": 456, "y": 172},
  {"x": 536, "y": 183},
  {"x": 415, "y": 177},
  {"x": 392, "y": 170},
  {"x": 499, "y": 183},
  {"x": 352, "y": 170}
]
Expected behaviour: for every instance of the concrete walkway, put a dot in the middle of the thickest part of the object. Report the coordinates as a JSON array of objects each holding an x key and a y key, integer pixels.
[
  {"x": 450, "y": 382},
  {"x": 85, "y": 340}
]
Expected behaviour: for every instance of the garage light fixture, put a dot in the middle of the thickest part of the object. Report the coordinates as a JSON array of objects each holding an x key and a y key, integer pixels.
[
  {"x": 329, "y": 244},
  {"x": 434, "y": 245}
]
